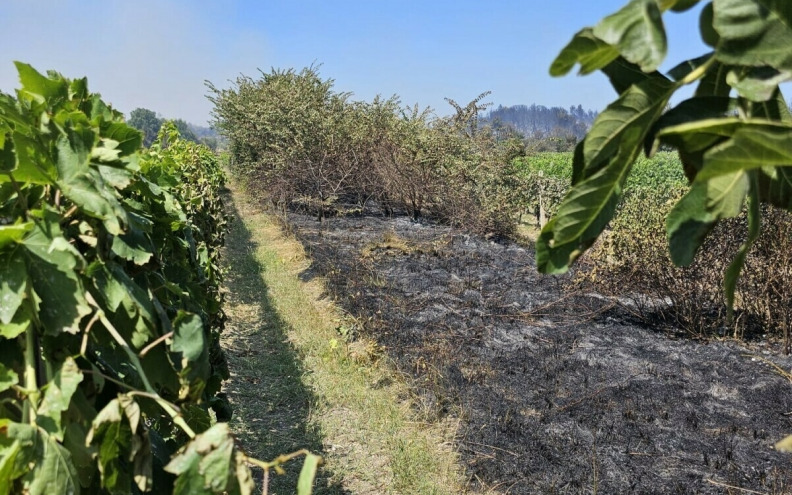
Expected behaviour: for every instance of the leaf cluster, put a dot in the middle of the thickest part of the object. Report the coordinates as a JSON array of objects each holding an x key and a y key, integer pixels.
[
  {"x": 732, "y": 135},
  {"x": 110, "y": 308}
]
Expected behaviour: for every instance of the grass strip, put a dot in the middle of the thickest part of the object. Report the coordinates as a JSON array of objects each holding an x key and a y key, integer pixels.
[{"x": 297, "y": 383}]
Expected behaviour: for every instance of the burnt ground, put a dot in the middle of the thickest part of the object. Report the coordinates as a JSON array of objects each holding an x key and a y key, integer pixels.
[{"x": 557, "y": 392}]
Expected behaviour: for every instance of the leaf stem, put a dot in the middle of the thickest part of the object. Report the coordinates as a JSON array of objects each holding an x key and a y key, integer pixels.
[
  {"x": 31, "y": 380},
  {"x": 699, "y": 72}
]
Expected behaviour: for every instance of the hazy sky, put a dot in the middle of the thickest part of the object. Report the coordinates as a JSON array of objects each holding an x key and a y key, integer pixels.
[{"x": 157, "y": 53}]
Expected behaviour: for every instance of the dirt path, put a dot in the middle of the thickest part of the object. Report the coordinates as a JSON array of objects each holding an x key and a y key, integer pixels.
[{"x": 556, "y": 394}]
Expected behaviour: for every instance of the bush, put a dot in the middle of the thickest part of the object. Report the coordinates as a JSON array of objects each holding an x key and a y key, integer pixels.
[{"x": 310, "y": 148}]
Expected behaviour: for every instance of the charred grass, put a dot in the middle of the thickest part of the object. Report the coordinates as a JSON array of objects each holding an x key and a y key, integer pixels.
[{"x": 555, "y": 391}]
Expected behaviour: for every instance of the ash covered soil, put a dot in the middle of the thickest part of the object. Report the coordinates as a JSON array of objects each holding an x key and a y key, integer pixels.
[{"x": 556, "y": 392}]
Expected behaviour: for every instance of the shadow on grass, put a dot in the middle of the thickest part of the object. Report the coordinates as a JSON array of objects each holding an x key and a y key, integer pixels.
[{"x": 271, "y": 404}]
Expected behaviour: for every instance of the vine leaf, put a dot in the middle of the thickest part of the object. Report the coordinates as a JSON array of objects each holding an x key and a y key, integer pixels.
[
  {"x": 191, "y": 352},
  {"x": 209, "y": 465},
  {"x": 12, "y": 283},
  {"x": 57, "y": 398},
  {"x": 8, "y": 378},
  {"x": 51, "y": 267}
]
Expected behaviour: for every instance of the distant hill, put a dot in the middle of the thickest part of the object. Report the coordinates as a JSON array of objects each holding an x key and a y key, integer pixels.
[{"x": 539, "y": 121}]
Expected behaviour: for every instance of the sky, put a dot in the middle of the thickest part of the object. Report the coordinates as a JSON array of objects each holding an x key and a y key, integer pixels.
[{"x": 157, "y": 54}]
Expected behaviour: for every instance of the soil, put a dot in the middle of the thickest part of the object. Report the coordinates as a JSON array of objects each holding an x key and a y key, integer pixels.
[{"x": 556, "y": 391}]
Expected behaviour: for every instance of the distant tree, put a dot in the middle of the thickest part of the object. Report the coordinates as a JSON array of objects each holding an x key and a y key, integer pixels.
[
  {"x": 147, "y": 122},
  {"x": 185, "y": 130}
]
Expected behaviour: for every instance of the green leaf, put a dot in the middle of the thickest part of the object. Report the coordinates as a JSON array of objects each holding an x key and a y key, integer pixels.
[
  {"x": 682, "y": 5},
  {"x": 33, "y": 163},
  {"x": 637, "y": 30},
  {"x": 57, "y": 397},
  {"x": 591, "y": 52},
  {"x": 609, "y": 150},
  {"x": 133, "y": 246},
  {"x": 191, "y": 350},
  {"x": 7, "y": 462},
  {"x": 18, "y": 325},
  {"x": 40, "y": 86},
  {"x": 13, "y": 282},
  {"x": 14, "y": 232},
  {"x": 754, "y": 33},
  {"x": 129, "y": 139},
  {"x": 694, "y": 216},
  {"x": 53, "y": 471},
  {"x": 757, "y": 83},
  {"x": 112, "y": 438},
  {"x": 209, "y": 465},
  {"x": 752, "y": 146},
  {"x": 308, "y": 474},
  {"x": 84, "y": 185},
  {"x": 51, "y": 267},
  {"x": 708, "y": 34},
  {"x": 732, "y": 274},
  {"x": 8, "y": 378}
]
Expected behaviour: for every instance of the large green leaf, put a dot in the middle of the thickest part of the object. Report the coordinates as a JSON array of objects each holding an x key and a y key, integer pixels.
[
  {"x": 610, "y": 148},
  {"x": 754, "y": 33},
  {"x": 591, "y": 52},
  {"x": 637, "y": 30},
  {"x": 51, "y": 267},
  {"x": 57, "y": 398},
  {"x": 112, "y": 438},
  {"x": 129, "y": 139},
  {"x": 13, "y": 282},
  {"x": 39, "y": 86},
  {"x": 757, "y": 83},
  {"x": 133, "y": 246},
  {"x": 84, "y": 185}
]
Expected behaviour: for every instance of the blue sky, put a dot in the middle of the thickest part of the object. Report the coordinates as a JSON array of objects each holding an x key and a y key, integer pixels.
[{"x": 157, "y": 53}]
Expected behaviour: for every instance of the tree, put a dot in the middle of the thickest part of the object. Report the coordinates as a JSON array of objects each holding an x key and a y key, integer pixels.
[
  {"x": 734, "y": 135},
  {"x": 147, "y": 122}
]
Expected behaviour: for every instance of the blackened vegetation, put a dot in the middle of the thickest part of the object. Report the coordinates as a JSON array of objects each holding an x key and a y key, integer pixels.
[{"x": 557, "y": 391}]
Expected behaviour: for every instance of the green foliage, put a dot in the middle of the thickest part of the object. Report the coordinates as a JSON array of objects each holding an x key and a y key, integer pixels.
[
  {"x": 111, "y": 304},
  {"x": 147, "y": 122},
  {"x": 732, "y": 134}
]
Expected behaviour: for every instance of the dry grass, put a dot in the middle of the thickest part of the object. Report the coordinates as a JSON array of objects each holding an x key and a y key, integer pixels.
[{"x": 298, "y": 383}]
